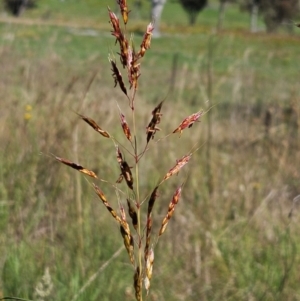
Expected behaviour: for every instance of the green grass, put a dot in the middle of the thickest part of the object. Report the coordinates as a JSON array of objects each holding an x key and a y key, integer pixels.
[{"x": 234, "y": 244}]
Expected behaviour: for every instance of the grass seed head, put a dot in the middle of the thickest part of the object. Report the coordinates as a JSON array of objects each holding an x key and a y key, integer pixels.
[
  {"x": 149, "y": 269},
  {"x": 146, "y": 40},
  {"x": 120, "y": 37},
  {"x": 106, "y": 204},
  {"x": 124, "y": 10},
  {"x": 148, "y": 237},
  {"x": 188, "y": 122},
  {"x": 137, "y": 283},
  {"x": 77, "y": 167},
  {"x": 152, "y": 200},
  {"x": 119, "y": 155},
  {"x": 134, "y": 70},
  {"x": 126, "y": 172},
  {"x": 132, "y": 213},
  {"x": 95, "y": 126},
  {"x": 128, "y": 242},
  {"x": 156, "y": 117},
  {"x": 118, "y": 77},
  {"x": 171, "y": 209},
  {"x": 125, "y": 127},
  {"x": 179, "y": 164}
]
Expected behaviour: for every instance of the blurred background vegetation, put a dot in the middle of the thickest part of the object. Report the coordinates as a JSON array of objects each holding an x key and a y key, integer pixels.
[{"x": 235, "y": 232}]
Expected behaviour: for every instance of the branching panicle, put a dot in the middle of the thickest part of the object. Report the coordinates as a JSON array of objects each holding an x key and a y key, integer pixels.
[{"x": 137, "y": 233}]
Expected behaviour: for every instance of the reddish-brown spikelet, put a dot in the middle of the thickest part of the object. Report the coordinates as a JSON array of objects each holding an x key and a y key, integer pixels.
[
  {"x": 129, "y": 59},
  {"x": 94, "y": 125},
  {"x": 133, "y": 215},
  {"x": 148, "y": 237},
  {"x": 124, "y": 227},
  {"x": 179, "y": 164},
  {"x": 106, "y": 204},
  {"x": 152, "y": 200},
  {"x": 146, "y": 40},
  {"x": 149, "y": 221},
  {"x": 118, "y": 77},
  {"x": 115, "y": 24},
  {"x": 120, "y": 37},
  {"x": 124, "y": 222},
  {"x": 152, "y": 128},
  {"x": 188, "y": 122},
  {"x": 125, "y": 170},
  {"x": 134, "y": 69},
  {"x": 128, "y": 241},
  {"x": 171, "y": 209},
  {"x": 124, "y": 50},
  {"x": 77, "y": 167},
  {"x": 119, "y": 155},
  {"x": 149, "y": 269},
  {"x": 125, "y": 127},
  {"x": 124, "y": 10},
  {"x": 137, "y": 283}
]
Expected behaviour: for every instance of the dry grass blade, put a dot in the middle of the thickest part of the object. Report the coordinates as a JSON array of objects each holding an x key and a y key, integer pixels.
[
  {"x": 94, "y": 125},
  {"x": 171, "y": 209},
  {"x": 137, "y": 283},
  {"x": 133, "y": 215},
  {"x": 179, "y": 164},
  {"x": 77, "y": 167},
  {"x": 188, "y": 122},
  {"x": 152, "y": 128}
]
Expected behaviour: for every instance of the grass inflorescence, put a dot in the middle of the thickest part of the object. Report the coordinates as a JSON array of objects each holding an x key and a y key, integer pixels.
[{"x": 137, "y": 233}]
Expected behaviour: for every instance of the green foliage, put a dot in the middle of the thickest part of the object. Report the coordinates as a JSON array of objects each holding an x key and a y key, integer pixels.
[
  {"x": 16, "y": 7},
  {"x": 275, "y": 12},
  {"x": 193, "y": 7}
]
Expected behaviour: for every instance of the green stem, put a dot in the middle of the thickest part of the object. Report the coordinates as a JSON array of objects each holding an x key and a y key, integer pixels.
[{"x": 137, "y": 197}]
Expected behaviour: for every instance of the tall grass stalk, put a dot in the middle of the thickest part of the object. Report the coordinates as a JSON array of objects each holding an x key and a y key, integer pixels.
[{"x": 138, "y": 237}]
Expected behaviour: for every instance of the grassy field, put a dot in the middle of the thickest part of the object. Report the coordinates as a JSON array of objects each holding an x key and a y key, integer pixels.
[{"x": 231, "y": 237}]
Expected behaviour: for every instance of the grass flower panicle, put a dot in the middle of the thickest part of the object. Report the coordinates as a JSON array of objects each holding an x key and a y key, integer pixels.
[{"x": 139, "y": 245}]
